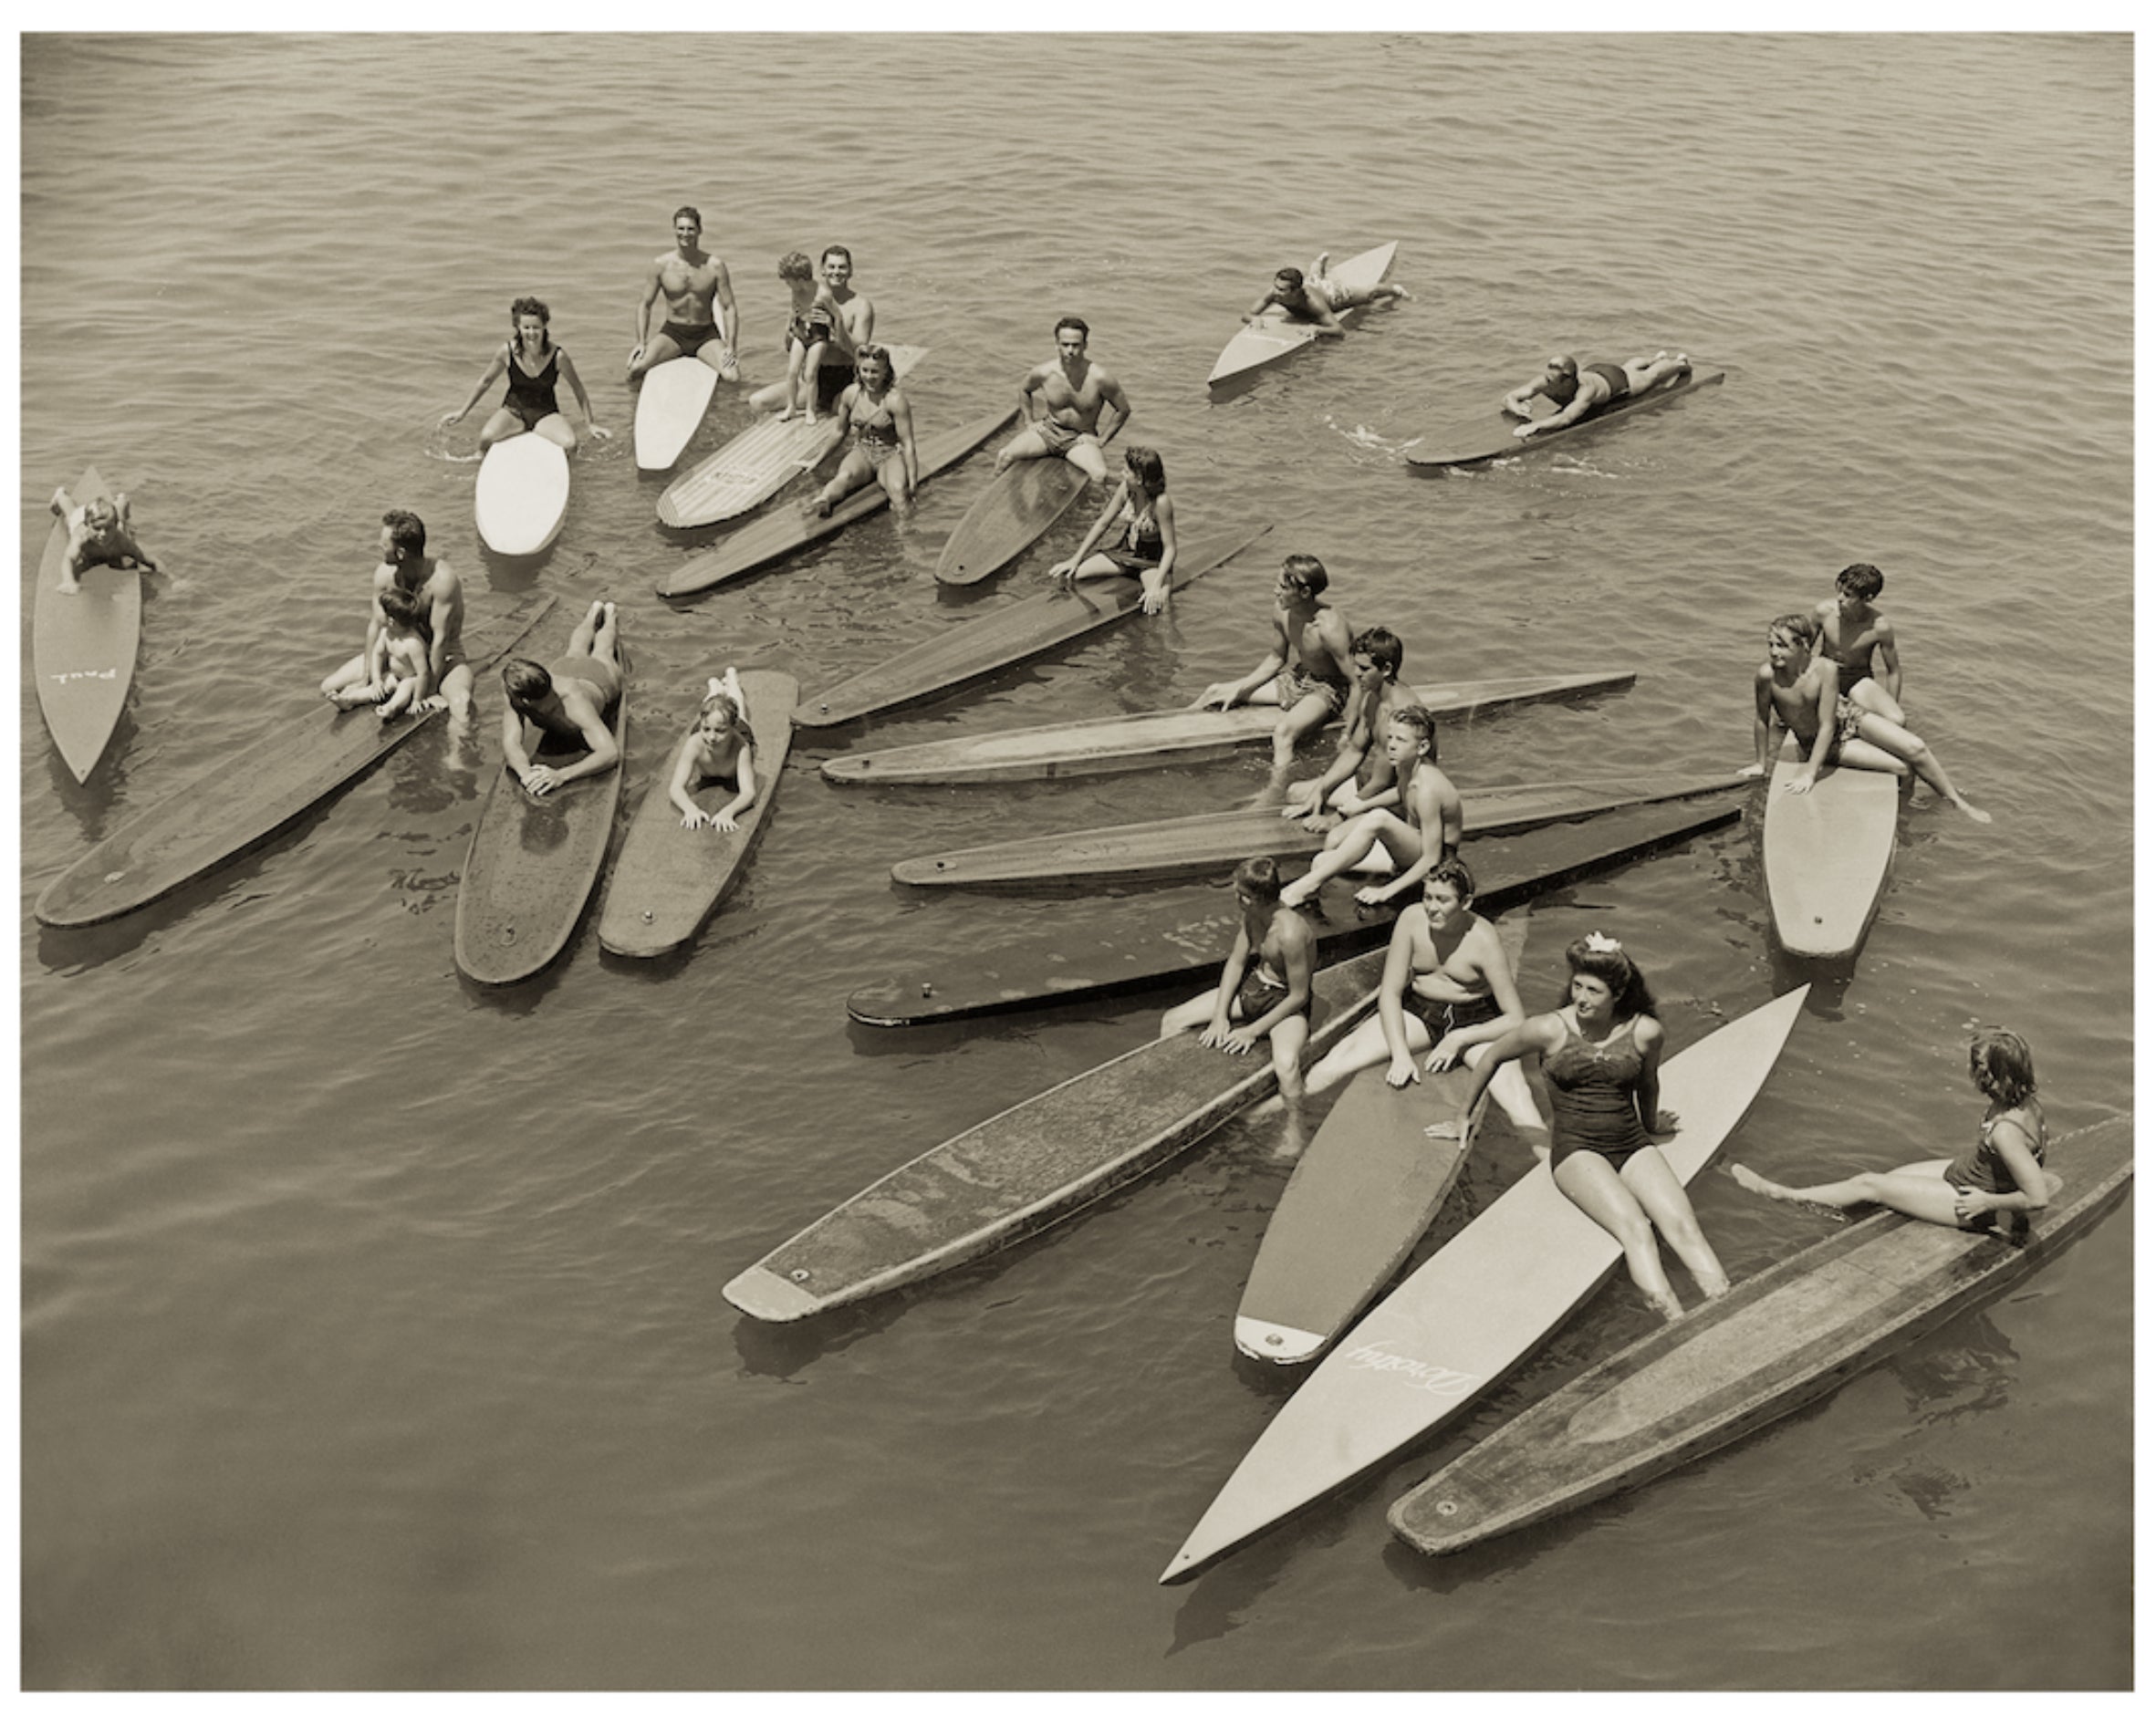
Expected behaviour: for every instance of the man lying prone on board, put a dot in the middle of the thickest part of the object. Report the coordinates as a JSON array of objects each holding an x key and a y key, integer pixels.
[
  {"x": 1580, "y": 390},
  {"x": 1320, "y": 300}
]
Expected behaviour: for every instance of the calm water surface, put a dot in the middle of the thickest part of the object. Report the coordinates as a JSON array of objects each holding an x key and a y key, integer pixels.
[{"x": 371, "y": 1327}]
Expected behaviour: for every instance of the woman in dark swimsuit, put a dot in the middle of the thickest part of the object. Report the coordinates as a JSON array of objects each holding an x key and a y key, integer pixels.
[
  {"x": 879, "y": 420},
  {"x": 1146, "y": 547},
  {"x": 2003, "y": 1174},
  {"x": 1602, "y": 1056},
  {"x": 533, "y": 365}
]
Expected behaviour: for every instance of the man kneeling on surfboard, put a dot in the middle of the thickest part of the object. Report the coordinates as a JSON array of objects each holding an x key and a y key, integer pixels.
[
  {"x": 1274, "y": 1001},
  {"x": 569, "y": 702},
  {"x": 1317, "y": 301},
  {"x": 97, "y": 532},
  {"x": 1580, "y": 390}
]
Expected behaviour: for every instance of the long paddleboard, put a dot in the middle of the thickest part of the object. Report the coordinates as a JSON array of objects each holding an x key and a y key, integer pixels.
[
  {"x": 534, "y": 861},
  {"x": 1008, "y": 636},
  {"x": 1126, "y": 740},
  {"x": 789, "y": 528},
  {"x": 1185, "y": 845},
  {"x": 83, "y": 645},
  {"x": 744, "y": 472},
  {"x": 668, "y": 880},
  {"x": 247, "y": 798},
  {"x": 1363, "y": 1192},
  {"x": 1093, "y": 960},
  {"x": 1826, "y": 855},
  {"x": 1775, "y": 1342},
  {"x": 1491, "y": 433},
  {"x": 1487, "y": 1296},
  {"x": 1030, "y": 1166},
  {"x": 1015, "y": 509},
  {"x": 671, "y": 403},
  {"x": 1275, "y": 337},
  {"x": 522, "y": 494}
]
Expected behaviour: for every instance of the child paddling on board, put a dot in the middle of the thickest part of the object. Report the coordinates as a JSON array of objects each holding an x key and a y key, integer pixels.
[
  {"x": 2003, "y": 1176},
  {"x": 97, "y": 532},
  {"x": 395, "y": 663},
  {"x": 809, "y": 333},
  {"x": 720, "y": 745}
]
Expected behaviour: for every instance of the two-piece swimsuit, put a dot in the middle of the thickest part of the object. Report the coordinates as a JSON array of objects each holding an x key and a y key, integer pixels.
[
  {"x": 1142, "y": 547},
  {"x": 531, "y": 394},
  {"x": 876, "y": 437}
]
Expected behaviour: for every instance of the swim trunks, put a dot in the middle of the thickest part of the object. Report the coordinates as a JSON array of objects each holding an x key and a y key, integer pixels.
[
  {"x": 1059, "y": 438},
  {"x": 600, "y": 675},
  {"x": 810, "y": 327},
  {"x": 1848, "y": 719},
  {"x": 1620, "y": 385},
  {"x": 1259, "y": 994},
  {"x": 1441, "y": 1018},
  {"x": 831, "y": 382},
  {"x": 1296, "y": 685},
  {"x": 531, "y": 394},
  {"x": 688, "y": 337}
]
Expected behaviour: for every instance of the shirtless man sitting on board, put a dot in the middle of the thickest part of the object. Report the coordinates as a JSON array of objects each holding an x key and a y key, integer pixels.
[
  {"x": 447, "y": 680},
  {"x": 1274, "y": 1000},
  {"x": 1580, "y": 390},
  {"x": 1073, "y": 389},
  {"x": 570, "y": 701},
  {"x": 1360, "y": 777},
  {"x": 692, "y": 280},
  {"x": 851, "y": 329},
  {"x": 1851, "y": 630},
  {"x": 97, "y": 532},
  {"x": 1310, "y": 664},
  {"x": 1318, "y": 299},
  {"x": 1800, "y": 692},
  {"x": 1425, "y": 832}
]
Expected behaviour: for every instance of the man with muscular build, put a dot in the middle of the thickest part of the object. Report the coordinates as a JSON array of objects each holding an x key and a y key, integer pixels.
[
  {"x": 1073, "y": 390},
  {"x": 692, "y": 279}
]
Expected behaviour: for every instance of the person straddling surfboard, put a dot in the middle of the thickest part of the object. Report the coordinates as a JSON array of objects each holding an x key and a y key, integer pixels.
[
  {"x": 1146, "y": 548},
  {"x": 1425, "y": 832},
  {"x": 1310, "y": 664},
  {"x": 700, "y": 318},
  {"x": 1800, "y": 692},
  {"x": 720, "y": 745},
  {"x": 1602, "y": 1060},
  {"x": 1580, "y": 390},
  {"x": 97, "y": 532},
  {"x": 880, "y": 420},
  {"x": 570, "y": 700},
  {"x": 1073, "y": 390},
  {"x": 1271, "y": 1000},
  {"x": 853, "y": 324},
  {"x": 1318, "y": 298},
  {"x": 1851, "y": 630},
  {"x": 534, "y": 364},
  {"x": 1361, "y": 773},
  {"x": 405, "y": 565}
]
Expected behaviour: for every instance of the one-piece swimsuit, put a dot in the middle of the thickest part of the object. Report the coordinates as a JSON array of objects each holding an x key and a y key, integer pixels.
[
  {"x": 1591, "y": 1097},
  {"x": 531, "y": 394}
]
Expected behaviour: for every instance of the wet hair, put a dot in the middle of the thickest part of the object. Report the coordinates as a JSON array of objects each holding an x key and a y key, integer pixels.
[
  {"x": 1383, "y": 645},
  {"x": 1070, "y": 320},
  {"x": 830, "y": 252},
  {"x": 401, "y": 606},
  {"x": 1419, "y": 720},
  {"x": 1863, "y": 579},
  {"x": 526, "y": 682},
  {"x": 1259, "y": 874},
  {"x": 1147, "y": 468},
  {"x": 1799, "y": 626},
  {"x": 408, "y": 534},
  {"x": 1293, "y": 277},
  {"x": 2002, "y": 1066},
  {"x": 1307, "y": 570},
  {"x": 1456, "y": 874},
  {"x": 530, "y": 306},
  {"x": 692, "y": 212},
  {"x": 868, "y": 353},
  {"x": 1615, "y": 971}
]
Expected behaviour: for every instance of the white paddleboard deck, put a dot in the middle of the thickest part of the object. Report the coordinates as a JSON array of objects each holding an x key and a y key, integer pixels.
[
  {"x": 1826, "y": 855},
  {"x": 522, "y": 494},
  {"x": 670, "y": 405}
]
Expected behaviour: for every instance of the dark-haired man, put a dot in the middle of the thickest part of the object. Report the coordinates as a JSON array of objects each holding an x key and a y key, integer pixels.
[
  {"x": 568, "y": 700},
  {"x": 1310, "y": 662},
  {"x": 694, "y": 281},
  {"x": 1580, "y": 390},
  {"x": 447, "y": 681},
  {"x": 1073, "y": 390}
]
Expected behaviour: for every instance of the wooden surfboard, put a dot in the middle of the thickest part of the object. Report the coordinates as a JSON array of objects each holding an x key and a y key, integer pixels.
[
  {"x": 788, "y": 528},
  {"x": 522, "y": 494},
  {"x": 1095, "y": 959},
  {"x": 668, "y": 880},
  {"x": 1275, "y": 337},
  {"x": 1008, "y": 636},
  {"x": 1363, "y": 1192},
  {"x": 83, "y": 645},
  {"x": 534, "y": 861},
  {"x": 1776, "y": 1341},
  {"x": 1185, "y": 845},
  {"x": 245, "y": 801},
  {"x": 1032, "y": 1165},
  {"x": 771, "y": 453},
  {"x": 1124, "y": 740},
  {"x": 1491, "y": 1293},
  {"x": 671, "y": 403},
  {"x": 1487, "y": 435},
  {"x": 1826, "y": 855},
  {"x": 1015, "y": 509}
]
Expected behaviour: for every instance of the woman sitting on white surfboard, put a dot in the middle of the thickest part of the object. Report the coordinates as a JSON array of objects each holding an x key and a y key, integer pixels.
[
  {"x": 534, "y": 364},
  {"x": 880, "y": 421},
  {"x": 1797, "y": 691},
  {"x": 1580, "y": 390},
  {"x": 1316, "y": 299},
  {"x": 1601, "y": 1059},
  {"x": 1146, "y": 547},
  {"x": 719, "y": 746},
  {"x": 1448, "y": 989},
  {"x": 2002, "y": 1175}
]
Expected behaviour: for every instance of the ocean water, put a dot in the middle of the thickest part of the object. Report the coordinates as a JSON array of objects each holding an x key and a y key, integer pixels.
[{"x": 371, "y": 1333}]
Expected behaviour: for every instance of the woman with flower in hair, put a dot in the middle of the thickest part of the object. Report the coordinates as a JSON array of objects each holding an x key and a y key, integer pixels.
[
  {"x": 1601, "y": 1058},
  {"x": 2002, "y": 1175}
]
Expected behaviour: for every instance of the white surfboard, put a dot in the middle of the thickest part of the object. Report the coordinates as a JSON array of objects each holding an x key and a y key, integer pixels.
[
  {"x": 1826, "y": 855},
  {"x": 522, "y": 494},
  {"x": 670, "y": 406}
]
